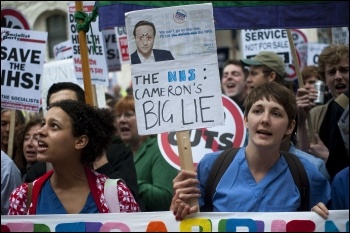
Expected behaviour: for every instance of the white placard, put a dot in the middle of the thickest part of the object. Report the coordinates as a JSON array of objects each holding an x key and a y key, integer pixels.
[
  {"x": 313, "y": 52},
  {"x": 63, "y": 50},
  {"x": 184, "y": 93},
  {"x": 122, "y": 43},
  {"x": 22, "y": 60},
  {"x": 340, "y": 35},
  {"x": 94, "y": 39},
  {"x": 111, "y": 50},
  {"x": 274, "y": 40}
]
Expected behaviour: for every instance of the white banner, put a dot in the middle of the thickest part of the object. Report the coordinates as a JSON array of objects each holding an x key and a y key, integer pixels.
[
  {"x": 22, "y": 60},
  {"x": 338, "y": 221}
]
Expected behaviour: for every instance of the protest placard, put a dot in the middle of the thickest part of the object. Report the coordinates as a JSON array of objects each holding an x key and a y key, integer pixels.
[
  {"x": 313, "y": 52},
  {"x": 274, "y": 40},
  {"x": 111, "y": 50},
  {"x": 96, "y": 52},
  {"x": 207, "y": 140},
  {"x": 122, "y": 43},
  {"x": 340, "y": 35},
  {"x": 22, "y": 59},
  {"x": 63, "y": 50},
  {"x": 180, "y": 89}
]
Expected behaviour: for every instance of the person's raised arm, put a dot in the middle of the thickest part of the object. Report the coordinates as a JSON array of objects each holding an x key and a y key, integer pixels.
[{"x": 305, "y": 101}]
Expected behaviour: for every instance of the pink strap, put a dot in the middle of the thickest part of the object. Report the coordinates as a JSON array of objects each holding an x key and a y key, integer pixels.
[{"x": 111, "y": 195}]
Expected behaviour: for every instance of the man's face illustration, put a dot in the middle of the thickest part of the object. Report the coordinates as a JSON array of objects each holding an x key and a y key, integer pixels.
[{"x": 144, "y": 40}]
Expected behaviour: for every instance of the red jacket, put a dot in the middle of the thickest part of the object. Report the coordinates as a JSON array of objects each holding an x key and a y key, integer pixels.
[{"x": 96, "y": 182}]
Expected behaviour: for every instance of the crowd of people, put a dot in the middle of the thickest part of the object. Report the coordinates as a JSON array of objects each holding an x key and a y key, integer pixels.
[{"x": 63, "y": 162}]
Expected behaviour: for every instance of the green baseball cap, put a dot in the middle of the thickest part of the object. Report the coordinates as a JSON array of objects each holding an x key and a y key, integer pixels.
[{"x": 269, "y": 59}]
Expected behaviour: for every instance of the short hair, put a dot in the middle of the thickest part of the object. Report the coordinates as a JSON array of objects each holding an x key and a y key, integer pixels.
[
  {"x": 143, "y": 23},
  {"x": 331, "y": 54},
  {"x": 124, "y": 104},
  {"x": 310, "y": 71},
  {"x": 56, "y": 87},
  {"x": 236, "y": 62},
  {"x": 96, "y": 123},
  {"x": 276, "y": 92}
]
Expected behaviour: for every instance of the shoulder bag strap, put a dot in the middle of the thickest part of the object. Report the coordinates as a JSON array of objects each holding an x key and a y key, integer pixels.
[
  {"x": 111, "y": 195},
  {"x": 29, "y": 195},
  {"x": 216, "y": 172},
  {"x": 301, "y": 180}
]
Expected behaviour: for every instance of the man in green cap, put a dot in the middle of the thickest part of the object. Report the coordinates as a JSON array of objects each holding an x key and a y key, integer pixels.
[{"x": 265, "y": 67}]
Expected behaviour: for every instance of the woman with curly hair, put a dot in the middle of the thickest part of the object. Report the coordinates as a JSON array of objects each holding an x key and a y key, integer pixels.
[{"x": 72, "y": 136}]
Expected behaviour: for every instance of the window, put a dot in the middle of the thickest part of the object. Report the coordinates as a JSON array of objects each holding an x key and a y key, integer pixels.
[{"x": 57, "y": 31}]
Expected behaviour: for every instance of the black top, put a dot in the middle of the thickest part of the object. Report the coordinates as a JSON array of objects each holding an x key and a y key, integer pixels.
[{"x": 332, "y": 139}]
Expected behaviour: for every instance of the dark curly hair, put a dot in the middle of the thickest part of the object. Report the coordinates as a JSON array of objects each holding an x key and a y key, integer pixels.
[{"x": 96, "y": 123}]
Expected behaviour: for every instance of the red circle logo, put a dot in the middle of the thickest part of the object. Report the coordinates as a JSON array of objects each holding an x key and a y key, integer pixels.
[{"x": 11, "y": 18}]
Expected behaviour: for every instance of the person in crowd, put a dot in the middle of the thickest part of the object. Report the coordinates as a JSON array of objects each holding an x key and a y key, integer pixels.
[
  {"x": 340, "y": 190},
  {"x": 289, "y": 143},
  {"x": 10, "y": 179},
  {"x": 72, "y": 137},
  {"x": 306, "y": 97},
  {"x": 333, "y": 66},
  {"x": 233, "y": 81},
  {"x": 110, "y": 101},
  {"x": 258, "y": 171},
  {"x": 339, "y": 193},
  {"x": 154, "y": 173},
  {"x": 5, "y": 128},
  {"x": 265, "y": 67},
  {"x": 117, "y": 162},
  {"x": 117, "y": 92},
  {"x": 144, "y": 34},
  {"x": 27, "y": 145},
  {"x": 310, "y": 75},
  {"x": 269, "y": 67}
]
